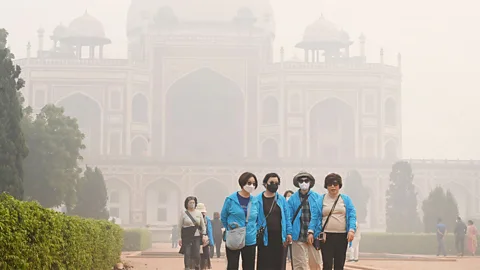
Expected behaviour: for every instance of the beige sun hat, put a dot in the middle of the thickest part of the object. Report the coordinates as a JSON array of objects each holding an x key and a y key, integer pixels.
[{"x": 201, "y": 207}]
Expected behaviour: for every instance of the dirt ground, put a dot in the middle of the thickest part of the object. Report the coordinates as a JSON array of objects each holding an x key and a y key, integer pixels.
[{"x": 465, "y": 263}]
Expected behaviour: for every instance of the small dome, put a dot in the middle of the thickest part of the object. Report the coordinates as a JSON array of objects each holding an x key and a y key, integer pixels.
[
  {"x": 323, "y": 31},
  {"x": 87, "y": 30},
  {"x": 59, "y": 32}
]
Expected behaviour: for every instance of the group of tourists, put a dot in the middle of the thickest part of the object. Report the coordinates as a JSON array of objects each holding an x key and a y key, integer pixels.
[
  {"x": 461, "y": 232},
  {"x": 305, "y": 227}
]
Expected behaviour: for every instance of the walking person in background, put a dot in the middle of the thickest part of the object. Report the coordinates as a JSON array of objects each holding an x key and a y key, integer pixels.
[
  {"x": 205, "y": 249},
  {"x": 303, "y": 215},
  {"x": 472, "y": 238},
  {"x": 174, "y": 236},
  {"x": 460, "y": 231},
  {"x": 338, "y": 223},
  {"x": 441, "y": 232},
  {"x": 355, "y": 245},
  {"x": 288, "y": 194},
  {"x": 273, "y": 228},
  {"x": 217, "y": 227},
  {"x": 192, "y": 234},
  {"x": 240, "y": 210}
]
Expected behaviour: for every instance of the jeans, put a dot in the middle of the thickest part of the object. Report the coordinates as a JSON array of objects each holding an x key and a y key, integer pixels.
[
  {"x": 441, "y": 247},
  {"x": 191, "y": 258},
  {"x": 248, "y": 258},
  {"x": 334, "y": 251},
  {"x": 460, "y": 243}
]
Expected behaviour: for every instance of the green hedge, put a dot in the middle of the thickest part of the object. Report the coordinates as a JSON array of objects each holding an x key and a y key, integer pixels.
[
  {"x": 137, "y": 240},
  {"x": 425, "y": 244},
  {"x": 33, "y": 237}
]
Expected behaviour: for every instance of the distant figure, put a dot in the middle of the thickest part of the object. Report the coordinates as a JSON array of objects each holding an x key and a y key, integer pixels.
[
  {"x": 288, "y": 194},
  {"x": 460, "y": 231},
  {"x": 472, "y": 238},
  {"x": 174, "y": 236},
  {"x": 441, "y": 232},
  {"x": 217, "y": 227},
  {"x": 355, "y": 246}
]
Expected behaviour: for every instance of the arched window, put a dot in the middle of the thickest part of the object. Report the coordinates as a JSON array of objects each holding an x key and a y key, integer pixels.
[
  {"x": 140, "y": 109},
  {"x": 270, "y": 111},
  {"x": 390, "y": 112}
]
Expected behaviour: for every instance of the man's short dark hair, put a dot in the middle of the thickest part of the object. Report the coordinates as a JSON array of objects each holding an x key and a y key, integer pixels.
[
  {"x": 243, "y": 179},
  {"x": 270, "y": 175}
]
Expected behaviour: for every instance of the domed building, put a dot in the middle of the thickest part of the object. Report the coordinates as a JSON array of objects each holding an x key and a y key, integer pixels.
[{"x": 200, "y": 100}]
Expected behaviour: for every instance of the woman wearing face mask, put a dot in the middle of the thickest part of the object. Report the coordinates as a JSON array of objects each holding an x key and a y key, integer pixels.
[
  {"x": 192, "y": 234},
  {"x": 303, "y": 215},
  {"x": 288, "y": 194},
  {"x": 337, "y": 223},
  {"x": 236, "y": 208},
  {"x": 273, "y": 229}
]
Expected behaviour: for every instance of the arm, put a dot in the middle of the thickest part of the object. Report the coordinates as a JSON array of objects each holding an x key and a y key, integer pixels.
[
  {"x": 286, "y": 210},
  {"x": 210, "y": 232},
  {"x": 180, "y": 226},
  {"x": 315, "y": 214},
  {"x": 352, "y": 215},
  {"x": 224, "y": 214},
  {"x": 203, "y": 226}
]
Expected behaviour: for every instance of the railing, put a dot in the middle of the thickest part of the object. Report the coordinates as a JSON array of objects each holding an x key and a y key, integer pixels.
[
  {"x": 340, "y": 66},
  {"x": 77, "y": 62}
]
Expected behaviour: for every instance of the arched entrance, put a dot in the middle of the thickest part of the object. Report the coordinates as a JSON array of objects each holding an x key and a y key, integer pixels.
[
  {"x": 332, "y": 131},
  {"x": 119, "y": 195},
  {"x": 212, "y": 193},
  {"x": 89, "y": 116},
  {"x": 204, "y": 118},
  {"x": 163, "y": 202}
]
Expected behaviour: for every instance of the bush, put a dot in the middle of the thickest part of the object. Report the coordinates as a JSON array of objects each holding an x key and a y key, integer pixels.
[
  {"x": 137, "y": 240},
  {"x": 403, "y": 243},
  {"x": 33, "y": 237}
]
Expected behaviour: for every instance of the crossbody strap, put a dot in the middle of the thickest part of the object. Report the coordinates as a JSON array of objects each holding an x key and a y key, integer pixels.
[
  {"x": 193, "y": 220},
  {"x": 329, "y": 214},
  {"x": 271, "y": 209},
  {"x": 300, "y": 207}
]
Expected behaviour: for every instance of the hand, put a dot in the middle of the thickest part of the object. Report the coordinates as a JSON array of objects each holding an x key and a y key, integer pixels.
[
  {"x": 180, "y": 242},
  {"x": 288, "y": 241},
  {"x": 205, "y": 240},
  {"x": 310, "y": 238},
  {"x": 350, "y": 236}
]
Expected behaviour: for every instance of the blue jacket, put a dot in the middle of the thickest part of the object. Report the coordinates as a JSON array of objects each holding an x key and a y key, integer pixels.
[
  {"x": 286, "y": 226},
  {"x": 350, "y": 213},
  {"x": 210, "y": 232},
  {"x": 232, "y": 213},
  {"x": 294, "y": 203}
]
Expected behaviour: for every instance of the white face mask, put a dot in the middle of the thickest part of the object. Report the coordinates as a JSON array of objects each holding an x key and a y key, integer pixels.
[
  {"x": 304, "y": 186},
  {"x": 249, "y": 188},
  {"x": 191, "y": 205}
]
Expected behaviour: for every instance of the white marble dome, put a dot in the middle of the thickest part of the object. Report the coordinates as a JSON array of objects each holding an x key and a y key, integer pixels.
[
  {"x": 86, "y": 26},
  {"x": 209, "y": 11},
  {"x": 323, "y": 30}
]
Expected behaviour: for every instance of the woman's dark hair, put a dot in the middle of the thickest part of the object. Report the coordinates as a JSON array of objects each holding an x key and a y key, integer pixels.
[
  {"x": 270, "y": 175},
  {"x": 287, "y": 192},
  {"x": 243, "y": 179},
  {"x": 470, "y": 222},
  {"x": 333, "y": 178},
  {"x": 190, "y": 198}
]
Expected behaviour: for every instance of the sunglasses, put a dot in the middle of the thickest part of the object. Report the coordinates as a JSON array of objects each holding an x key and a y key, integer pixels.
[
  {"x": 332, "y": 184},
  {"x": 304, "y": 180}
]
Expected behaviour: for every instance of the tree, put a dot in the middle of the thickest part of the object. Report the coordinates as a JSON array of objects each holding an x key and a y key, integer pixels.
[
  {"x": 92, "y": 195},
  {"x": 401, "y": 206},
  {"x": 439, "y": 204},
  {"x": 12, "y": 143},
  {"x": 358, "y": 192},
  {"x": 51, "y": 168}
]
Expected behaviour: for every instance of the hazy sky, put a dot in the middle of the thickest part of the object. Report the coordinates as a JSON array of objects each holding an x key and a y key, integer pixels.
[{"x": 438, "y": 40}]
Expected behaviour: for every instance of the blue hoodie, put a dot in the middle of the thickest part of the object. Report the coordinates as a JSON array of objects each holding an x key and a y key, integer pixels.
[
  {"x": 294, "y": 203},
  {"x": 232, "y": 213},
  {"x": 209, "y": 232},
  {"x": 350, "y": 214},
  {"x": 286, "y": 226}
]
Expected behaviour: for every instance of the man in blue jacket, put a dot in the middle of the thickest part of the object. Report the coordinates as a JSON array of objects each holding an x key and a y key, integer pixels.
[{"x": 303, "y": 215}]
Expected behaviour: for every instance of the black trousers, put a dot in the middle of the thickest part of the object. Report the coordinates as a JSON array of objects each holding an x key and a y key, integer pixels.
[
  {"x": 334, "y": 251},
  {"x": 191, "y": 257},
  {"x": 460, "y": 243},
  {"x": 248, "y": 258},
  {"x": 271, "y": 257}
]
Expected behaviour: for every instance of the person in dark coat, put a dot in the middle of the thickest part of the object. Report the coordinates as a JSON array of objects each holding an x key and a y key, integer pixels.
[{"x": 217, "y": 227}]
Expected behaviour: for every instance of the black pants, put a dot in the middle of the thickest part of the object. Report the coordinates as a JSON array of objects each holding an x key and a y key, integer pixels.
[
  {"x": 460, "y": 244},
  {"x": 191, "y": 257},
  {"x": 334, "y": 251},
  {"x": 248, "y": 258},
  {"x": 271, "y": 257}
]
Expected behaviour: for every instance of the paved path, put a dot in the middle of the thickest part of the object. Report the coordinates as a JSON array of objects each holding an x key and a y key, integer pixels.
[{"x": 466, "y": 263}]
